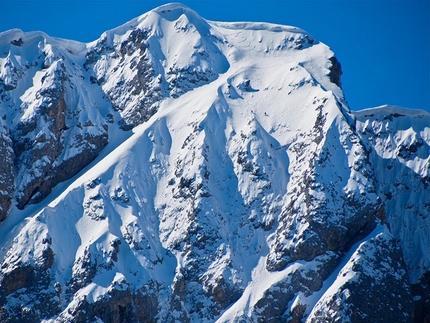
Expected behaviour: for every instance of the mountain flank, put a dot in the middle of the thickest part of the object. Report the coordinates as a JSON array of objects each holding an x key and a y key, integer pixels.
[{"x": 184, "y": 170}]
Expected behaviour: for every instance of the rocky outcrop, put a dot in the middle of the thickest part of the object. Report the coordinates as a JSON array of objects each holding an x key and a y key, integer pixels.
[
  {"x": 421, "y": 299},
  {"x": 22, "y": 283},
  {"x": 335, "y": 71},
  {"x": 320, "y": 218},
  {"x": 51, "y": 128},
  {"x": 155, "y": 70},
  {"x": 135, "y": 95},
  {"x": 374, "y": 276},
  {"x": 7, "y": 175},
  {"x": 119, "y": 305},
  {"x": 51, "y": 145},
  {"x": 394, "y": 141}
]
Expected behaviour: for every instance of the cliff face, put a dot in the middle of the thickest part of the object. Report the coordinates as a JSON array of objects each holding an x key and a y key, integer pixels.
[
  {"x": 50, "y": 118},
  {"x": 247, "y": 191}
]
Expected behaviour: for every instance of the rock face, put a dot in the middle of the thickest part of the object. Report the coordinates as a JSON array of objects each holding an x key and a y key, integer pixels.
[
  {"x": 7, "y": 175},
  {"x": 362, "y": 291},
  {"x": 50, "y": 121},
  {"x": 246, "y": 192}
]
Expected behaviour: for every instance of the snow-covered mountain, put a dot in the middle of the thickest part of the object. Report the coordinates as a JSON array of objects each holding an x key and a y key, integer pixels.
[{"x": 184, "y": 170}]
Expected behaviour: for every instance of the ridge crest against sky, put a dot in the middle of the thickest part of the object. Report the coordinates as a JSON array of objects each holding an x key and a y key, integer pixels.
[{"x": 383, "y": 46}]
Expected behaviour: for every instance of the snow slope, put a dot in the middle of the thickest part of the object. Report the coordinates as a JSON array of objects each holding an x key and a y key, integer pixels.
[{"x": 231, "y": 182}]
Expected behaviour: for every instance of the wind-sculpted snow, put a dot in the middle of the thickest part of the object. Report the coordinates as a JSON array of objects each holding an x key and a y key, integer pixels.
[
  {"x": 399, "y": 141},
  {"x": 164, "y": 53},
  {"x": 246, "y": 190}
]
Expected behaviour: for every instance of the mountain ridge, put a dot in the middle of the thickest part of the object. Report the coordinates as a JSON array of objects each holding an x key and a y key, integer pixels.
[{"x": 228, "y": 180}]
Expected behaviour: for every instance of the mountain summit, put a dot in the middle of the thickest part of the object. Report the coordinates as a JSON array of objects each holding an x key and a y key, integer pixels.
[{"x": 184, "y": 170}]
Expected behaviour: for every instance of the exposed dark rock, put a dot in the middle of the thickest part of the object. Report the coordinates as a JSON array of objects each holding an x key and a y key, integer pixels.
[
  {"x": 136, "y": 99},
  {"x": 117, "y": 306},
  {"x": 421, "y": 297},
  {"x": 273, "y": 307},
  {"x": 296, "y": 314},
  {"x": 85, "y": 269},
  {"x": 17, "y": 42},
  {"x": 7, "y": 175},
  {"x": 41, "y": 141},
  {"x": 319, "y": 237},
  {"x": 26, "y": 284},
  {"x": 223, "y": 293},
  {"x": 377, "y": 277},
  {"x": 21, "y": 276},
  {"x": 45, "y": 305},
  {"x": 335, "y": 72},
  {"x": 47, "y": 259}
]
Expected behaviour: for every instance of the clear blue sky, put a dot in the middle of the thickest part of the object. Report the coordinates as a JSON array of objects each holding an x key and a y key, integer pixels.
[{"x": 383, "y": 46}]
